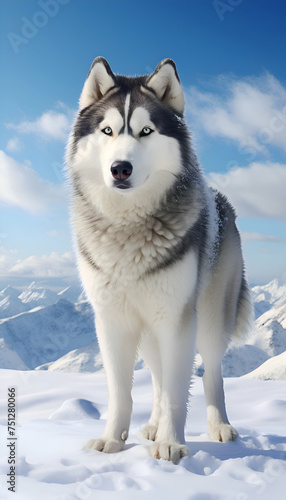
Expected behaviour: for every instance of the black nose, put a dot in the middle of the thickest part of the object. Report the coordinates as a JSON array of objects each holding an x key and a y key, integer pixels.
[{"x": 121, "y": 170}]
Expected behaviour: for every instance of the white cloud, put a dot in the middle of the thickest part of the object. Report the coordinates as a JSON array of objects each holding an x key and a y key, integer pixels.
[
  {"x": 50, "y": 125},
  {"x": 21, "y": 186},
  {"x": 7, "y": 259},
  {"x": 45, "y": 266},
  {"x": 14, "y": 144},
  {"x": 245, "y": 236},
  {"x": 255, "y": 191},
  {"x": 250, "y": 111}
]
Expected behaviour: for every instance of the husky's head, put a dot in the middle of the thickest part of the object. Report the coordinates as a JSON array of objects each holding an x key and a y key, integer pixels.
[{"x": 129, "y": 130}]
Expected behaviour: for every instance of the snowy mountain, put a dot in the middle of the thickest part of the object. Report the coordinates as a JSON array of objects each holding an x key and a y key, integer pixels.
[
  {"x": 55, "y": 331},
  {"x": 268, "y": 339},
  {"x": 72, "y": 293},
  {"x": 34, "y": 296},
  {"x": 237, "y": 361},
  {"x": 87, "y": 359},
  {"x": 9, "y": 358},
  {"x": 44, "y": 334},
  {"x": 13, "y": 302},
  {"x": 273, "y": 369},
  {"x": 270, "y": 327},
  {"x": 10, "y": 304},
  {"x": 274, "y": 293}
]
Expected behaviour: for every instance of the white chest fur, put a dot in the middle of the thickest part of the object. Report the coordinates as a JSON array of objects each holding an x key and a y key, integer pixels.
[{"x": 127, "y": 250}]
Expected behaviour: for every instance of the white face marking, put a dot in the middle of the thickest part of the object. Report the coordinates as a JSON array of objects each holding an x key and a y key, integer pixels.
[
  {"x": 112, "y": 119},
  {"x": 140, "y": 118},
  {"x": 126, "y": 109}
]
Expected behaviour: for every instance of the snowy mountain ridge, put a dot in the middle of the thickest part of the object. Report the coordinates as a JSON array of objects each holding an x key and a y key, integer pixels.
[
  {"x": 273, "y": 291},
  {"x": 45, "y": 330},
  {"x": 13, "y": 302}
]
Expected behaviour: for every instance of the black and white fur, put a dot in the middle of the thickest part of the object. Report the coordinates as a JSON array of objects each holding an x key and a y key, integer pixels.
[{"x": 158, "y": 252}]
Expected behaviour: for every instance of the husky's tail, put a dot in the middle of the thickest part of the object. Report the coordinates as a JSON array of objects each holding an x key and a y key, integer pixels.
[{"x": 245, "y": 314}]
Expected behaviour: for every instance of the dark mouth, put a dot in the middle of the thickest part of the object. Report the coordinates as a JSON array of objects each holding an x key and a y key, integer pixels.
[{"x": 122, "y": 185}]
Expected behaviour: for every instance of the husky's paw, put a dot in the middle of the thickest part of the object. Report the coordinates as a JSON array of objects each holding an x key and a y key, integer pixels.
[
  {"x": 105, "y": 445},
  {"x": 222, "y": 432},
  {"x": 149, "y": 432},
  {"x": 168, "y": 451}
]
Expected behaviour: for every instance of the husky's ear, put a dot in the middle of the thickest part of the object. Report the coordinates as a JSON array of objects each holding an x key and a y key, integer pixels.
[
  {"x": 99, "y": 80},
  {"x": 167, "y": 86}
]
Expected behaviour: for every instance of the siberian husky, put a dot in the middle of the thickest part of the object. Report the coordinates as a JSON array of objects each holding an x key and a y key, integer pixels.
[{"x": 159, "y": 253}]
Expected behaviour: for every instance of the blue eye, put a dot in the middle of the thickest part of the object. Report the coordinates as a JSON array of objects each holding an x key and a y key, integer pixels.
[
  {"x": 107, "y": 131},
  {"x": 146, "y": 131}
]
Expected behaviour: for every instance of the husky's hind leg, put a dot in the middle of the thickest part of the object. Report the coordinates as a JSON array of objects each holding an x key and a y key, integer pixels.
[
  {"x": 224, "y": 313},
  {"x": 212, "y": 342},
  {"x": 218, "y": 423},
  {"x": 232, "y": 313},
  {"x": 150, "y": 352}
]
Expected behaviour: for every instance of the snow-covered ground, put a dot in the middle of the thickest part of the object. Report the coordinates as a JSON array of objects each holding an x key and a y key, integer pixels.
[{"x": 58, "y": 413}]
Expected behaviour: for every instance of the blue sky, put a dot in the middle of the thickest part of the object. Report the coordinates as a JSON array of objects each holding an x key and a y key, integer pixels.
[{"x": 230, "y": 56}]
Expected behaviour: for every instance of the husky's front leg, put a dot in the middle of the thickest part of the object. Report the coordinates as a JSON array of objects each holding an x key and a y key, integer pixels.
[
  {"x": 177, "y": 347},
  {"x": 118, "y": 349}
]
